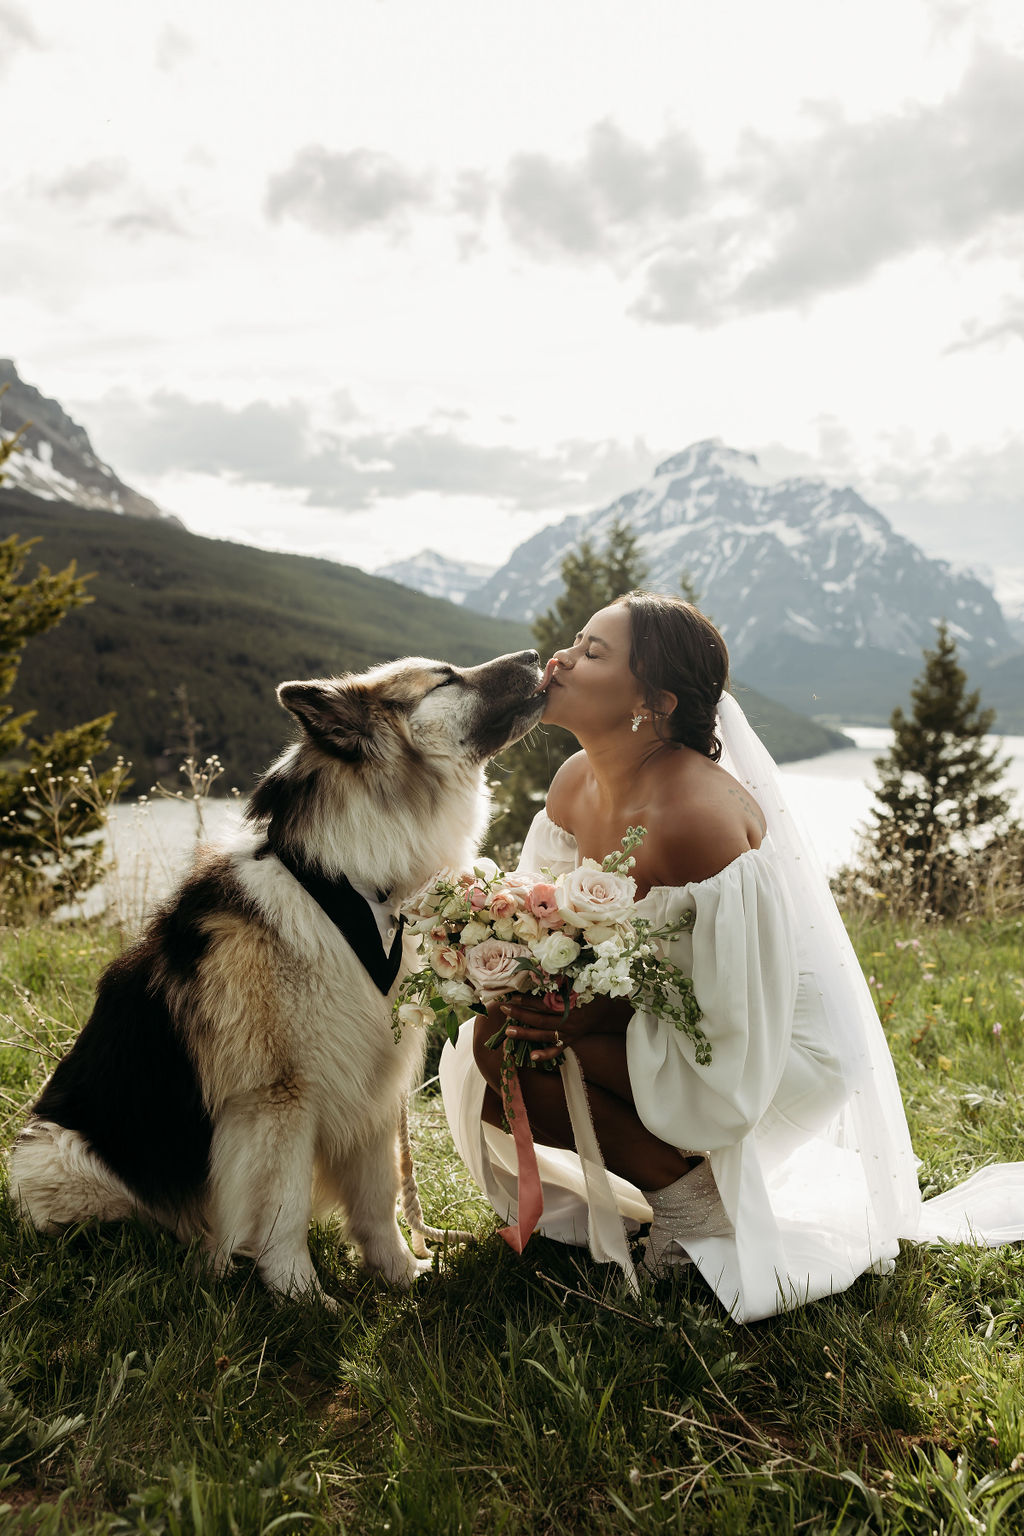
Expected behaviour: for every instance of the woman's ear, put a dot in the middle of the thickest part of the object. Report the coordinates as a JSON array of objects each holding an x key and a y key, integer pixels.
[{"x": 665, "y": 703}]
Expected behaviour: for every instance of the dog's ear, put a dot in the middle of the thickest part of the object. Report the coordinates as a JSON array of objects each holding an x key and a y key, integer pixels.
[{"x": 335, "y": 714}]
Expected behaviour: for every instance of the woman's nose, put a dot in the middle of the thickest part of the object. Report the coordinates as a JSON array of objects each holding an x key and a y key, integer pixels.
[{"x": 563, "y": 658}]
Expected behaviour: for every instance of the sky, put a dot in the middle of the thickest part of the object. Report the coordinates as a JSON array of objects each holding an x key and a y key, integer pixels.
[{"x": 359, "y": 277}]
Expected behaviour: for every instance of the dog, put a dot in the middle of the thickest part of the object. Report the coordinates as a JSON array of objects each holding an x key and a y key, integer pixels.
[{"x": 239, "y": 1074}]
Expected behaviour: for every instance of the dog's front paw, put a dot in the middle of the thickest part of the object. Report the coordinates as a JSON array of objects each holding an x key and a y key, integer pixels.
[{"x": 398, "y": 1267}]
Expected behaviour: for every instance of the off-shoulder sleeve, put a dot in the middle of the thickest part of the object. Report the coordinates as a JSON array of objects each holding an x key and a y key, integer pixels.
[
  {"x": 745, "y": 978},
  {"x": 548, "y": 846}
]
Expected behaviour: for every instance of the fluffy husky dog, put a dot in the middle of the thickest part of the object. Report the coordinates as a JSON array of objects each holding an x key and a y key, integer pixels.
[{"x": 239, "y": 1074}]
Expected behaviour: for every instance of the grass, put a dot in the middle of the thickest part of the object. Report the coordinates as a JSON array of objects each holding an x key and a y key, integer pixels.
[{"x": 525, "y": 1394}]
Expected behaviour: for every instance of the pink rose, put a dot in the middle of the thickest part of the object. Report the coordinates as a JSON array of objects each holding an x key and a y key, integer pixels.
[
  {"x": 503, "y": 903},
  {"x": 477, "y": 897},
  {"x": 544, "y": 905},
  {"x": 449, "y": 962},
  {"x": 556, "y": 1002},
  {"x": 493, "y": 966}
]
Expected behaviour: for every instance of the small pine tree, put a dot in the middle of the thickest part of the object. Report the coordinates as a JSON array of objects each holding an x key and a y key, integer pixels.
[
  {"x": 51, "y": 800},
  {"x": 938, "y": 803},
  {"x": 521, "y": 774}
]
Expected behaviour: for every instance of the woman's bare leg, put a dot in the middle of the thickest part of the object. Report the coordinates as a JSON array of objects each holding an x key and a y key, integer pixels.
[{"x": 628, "y": 1147}]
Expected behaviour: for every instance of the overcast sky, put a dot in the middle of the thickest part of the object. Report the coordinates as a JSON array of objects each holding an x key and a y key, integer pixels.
[{"x": 353, "y": 278}]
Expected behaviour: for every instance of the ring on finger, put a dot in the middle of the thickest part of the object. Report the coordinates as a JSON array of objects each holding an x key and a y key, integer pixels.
[{"x": 558, "y": 1043}]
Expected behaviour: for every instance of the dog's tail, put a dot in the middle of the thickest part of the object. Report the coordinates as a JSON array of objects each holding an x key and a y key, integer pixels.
[{"x": 411, "y": 1208}]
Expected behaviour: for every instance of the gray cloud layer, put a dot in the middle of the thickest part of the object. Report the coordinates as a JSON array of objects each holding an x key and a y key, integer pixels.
[
  {"x": 351, "y": 467},
  {"x": 785, "y": 224},
  {"x": 825, "y": 214},
  {"x": 109, "y": 190},
  {"x": 614, "y": 192},
  {"x": 337, "y": 192},
  {"x": 16, "y": 32}
]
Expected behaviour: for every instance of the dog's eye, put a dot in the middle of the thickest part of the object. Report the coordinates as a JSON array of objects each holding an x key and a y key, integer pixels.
[{"x": 446, "y": 682}]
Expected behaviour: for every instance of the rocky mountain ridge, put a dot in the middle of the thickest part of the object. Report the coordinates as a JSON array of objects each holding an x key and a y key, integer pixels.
[
  {"x": 55, "y": 459},
  {"x": 438, "y": 575},
  {"x": 791, "y": 557},
  {"x": 823, "y": 604}
]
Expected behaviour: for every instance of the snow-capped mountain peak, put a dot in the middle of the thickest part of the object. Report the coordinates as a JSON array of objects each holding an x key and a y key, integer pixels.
[
  {"x": 55, "y": 459},
  {"x": 774, "y": 560},
  {"x": 712, "y": 458}
]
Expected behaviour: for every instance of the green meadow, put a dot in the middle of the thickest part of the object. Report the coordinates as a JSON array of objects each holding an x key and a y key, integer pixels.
[{"x": 527, "y": 1394}]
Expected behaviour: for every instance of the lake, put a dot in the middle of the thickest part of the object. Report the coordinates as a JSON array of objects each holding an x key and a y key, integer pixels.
[
  {"x": 833, "y": 793},
  {"x": 151, "y": 842}
]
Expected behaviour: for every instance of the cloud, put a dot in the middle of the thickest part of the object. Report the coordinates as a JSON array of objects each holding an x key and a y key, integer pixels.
[
  {"x": 133, "y": 211},
  {"x": 173, "y": 47},
  {"x": 959, "y": 504},
  {"x": 1011, "y": 324},
  {"x": 607, "y": 198},
  {"x": 16, "y": 32},
  {"x": 348, "y": 466},
  {"x": 94, "y": 178},
  {"x": 337, "y": 192},
  {"x": 137, "y": 223},
  {"x": 825, "y": 213}
]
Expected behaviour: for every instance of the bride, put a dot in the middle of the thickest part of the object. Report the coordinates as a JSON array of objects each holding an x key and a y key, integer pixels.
[{"x": 783, "y": 1169}]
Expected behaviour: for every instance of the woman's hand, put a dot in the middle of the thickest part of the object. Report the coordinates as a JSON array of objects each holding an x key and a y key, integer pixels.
[{"x": 548, "y": 1034}]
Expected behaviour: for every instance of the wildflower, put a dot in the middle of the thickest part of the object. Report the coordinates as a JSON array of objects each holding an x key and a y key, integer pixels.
[
  {"x": 944, "y": 1064},
  {"x": 997, "y": 1030}
]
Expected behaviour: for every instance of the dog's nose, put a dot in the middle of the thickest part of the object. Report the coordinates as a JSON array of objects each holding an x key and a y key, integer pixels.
[{"x": 529, "y": 658}]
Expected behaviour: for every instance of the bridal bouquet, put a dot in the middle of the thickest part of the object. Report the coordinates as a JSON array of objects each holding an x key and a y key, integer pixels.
[{"x": 568, "y": 940}]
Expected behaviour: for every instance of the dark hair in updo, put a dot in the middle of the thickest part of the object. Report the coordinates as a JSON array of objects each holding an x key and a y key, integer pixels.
[{"x": 674, "y": 648}]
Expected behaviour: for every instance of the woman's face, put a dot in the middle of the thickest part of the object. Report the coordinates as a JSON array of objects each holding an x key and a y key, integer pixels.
[{"x": 592, "y": 689}]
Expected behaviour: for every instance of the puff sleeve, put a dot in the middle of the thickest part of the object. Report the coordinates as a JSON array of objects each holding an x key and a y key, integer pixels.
[{"x": 742, "y": 956}]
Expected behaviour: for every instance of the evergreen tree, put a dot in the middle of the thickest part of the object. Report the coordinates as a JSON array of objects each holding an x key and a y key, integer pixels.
[
  {"x": 938, "y": 803},
  {"x": 51, "y": 801},
  {"x": 520, "y": 775}
]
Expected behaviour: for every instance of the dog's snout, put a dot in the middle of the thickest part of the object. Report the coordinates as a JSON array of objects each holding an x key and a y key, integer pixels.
[{"x": 528, "y": 658}]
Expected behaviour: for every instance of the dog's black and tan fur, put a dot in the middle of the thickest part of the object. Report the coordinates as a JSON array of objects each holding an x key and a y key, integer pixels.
[{"x": 239, "y": 1073}]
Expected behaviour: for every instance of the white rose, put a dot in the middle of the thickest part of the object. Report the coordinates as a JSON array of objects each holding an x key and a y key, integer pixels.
[
  {"x": 527, "y": 926},
  {"x": 493, "y": 966},
  {"x": 554, "y": 951},
  {"x": 413, "y": 1017},
  {"x": 456, "y": 993},
  {"x": 590, "y": 895},
  {"x": 474, "y": 933},
  {"x": 504, "y": 928},
  {"x": 613, "y": 935}
]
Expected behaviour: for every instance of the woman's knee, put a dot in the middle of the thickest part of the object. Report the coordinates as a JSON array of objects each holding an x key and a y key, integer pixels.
[{"x": 603, "y": 1062}]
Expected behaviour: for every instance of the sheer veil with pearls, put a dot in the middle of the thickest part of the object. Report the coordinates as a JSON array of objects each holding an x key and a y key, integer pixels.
[{"x": 988, "y": 1208}]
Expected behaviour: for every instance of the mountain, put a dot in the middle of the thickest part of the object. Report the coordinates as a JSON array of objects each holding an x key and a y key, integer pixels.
[
  {"x": 55, "y": 459},
  {"x": 437, "y": 575},
  {"x": 823, "y": 604},
  {"x": 227, "y": 621}
]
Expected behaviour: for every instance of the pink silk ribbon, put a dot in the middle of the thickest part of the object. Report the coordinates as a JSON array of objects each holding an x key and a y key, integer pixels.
[
  {"x": 530, "y": 1197},
  {"x": 605, "y": 1231}
]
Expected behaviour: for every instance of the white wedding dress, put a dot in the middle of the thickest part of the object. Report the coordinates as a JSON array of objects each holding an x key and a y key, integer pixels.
[{"x": 799, "y": 1111}]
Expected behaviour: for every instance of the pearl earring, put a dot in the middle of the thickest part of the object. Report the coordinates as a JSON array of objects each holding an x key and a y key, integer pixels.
[{"x": 637, "y": 722}]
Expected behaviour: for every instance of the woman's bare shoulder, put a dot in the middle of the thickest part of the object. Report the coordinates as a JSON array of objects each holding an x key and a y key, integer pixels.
[
  {"x": 704, "y": 822},
  {"x": 564, "y": 789}
]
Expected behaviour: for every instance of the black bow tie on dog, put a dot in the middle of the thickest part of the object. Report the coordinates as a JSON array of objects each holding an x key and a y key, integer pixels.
[{"x": 351, "y": 914}]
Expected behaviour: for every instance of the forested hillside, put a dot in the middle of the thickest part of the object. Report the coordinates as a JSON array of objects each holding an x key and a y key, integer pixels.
[{"x": 229, "y": 622}]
